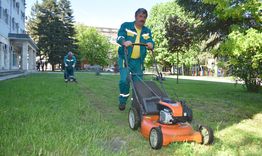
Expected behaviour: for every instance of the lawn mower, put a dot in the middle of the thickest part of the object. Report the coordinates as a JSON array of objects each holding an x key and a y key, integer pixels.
[
  {"x": 69, "y": 74},
  {"x": 160, "y": 76},
  {"x": 71, "y": 79},
  {"x": 161, "y": 119}
]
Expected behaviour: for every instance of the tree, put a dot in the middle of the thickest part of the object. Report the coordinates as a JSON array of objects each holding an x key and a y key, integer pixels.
[
  {"x": 32, "y": 23},
  {"x": 242, "y": 46},
  {"x": 66, "y": 16},
  {"x": 93, "y": 46},
  {"x": 179, "y": 35},
  {"x": 51, "y": 32},
  {"x": 50, "y": 27},
  {"x": 217, "y": 17},
  {"x": 157, "y": 19},
  {"x": 159, "y": 15},
  {"x": 244, "y": 51}
]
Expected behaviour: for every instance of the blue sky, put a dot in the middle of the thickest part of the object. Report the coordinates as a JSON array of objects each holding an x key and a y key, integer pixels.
[{"x": 105, "y": 13}]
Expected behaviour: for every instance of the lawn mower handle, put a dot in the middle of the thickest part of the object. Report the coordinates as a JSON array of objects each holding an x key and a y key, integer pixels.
[
  {"x": 136, "y": 44},
  {"x": 140, "y": 44},
  {"x": 155, "y": 62}
]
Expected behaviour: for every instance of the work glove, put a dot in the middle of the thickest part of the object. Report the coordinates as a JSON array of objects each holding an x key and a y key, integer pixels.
[
  {"x": 66, "y": 65},
  {"x": 73, "y": 66}
]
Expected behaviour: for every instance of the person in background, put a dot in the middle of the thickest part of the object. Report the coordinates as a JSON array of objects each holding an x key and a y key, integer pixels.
[{"x": 70, "y": 62}]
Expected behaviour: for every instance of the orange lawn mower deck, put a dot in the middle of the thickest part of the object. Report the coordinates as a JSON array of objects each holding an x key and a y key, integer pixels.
[
  {"x": 170, "y": 133},
  {"x": 161, "y": 120}
]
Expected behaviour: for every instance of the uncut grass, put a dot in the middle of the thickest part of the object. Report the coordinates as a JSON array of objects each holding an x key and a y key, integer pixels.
[{"x": 40, "y": 114}]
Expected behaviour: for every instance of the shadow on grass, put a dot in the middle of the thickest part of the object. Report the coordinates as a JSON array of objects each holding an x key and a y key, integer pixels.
[{"x": 216, "y": 104}]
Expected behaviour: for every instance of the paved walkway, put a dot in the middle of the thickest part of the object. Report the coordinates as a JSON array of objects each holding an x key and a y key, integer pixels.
[
  {"x": 198, "y": 78},
  {"x": 7, "y": 77},
  {"x": 206, "y": 78}
]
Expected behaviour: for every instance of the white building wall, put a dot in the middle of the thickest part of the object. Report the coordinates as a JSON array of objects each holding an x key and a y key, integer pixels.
[
  {"x": 15, "y": 10},
  {"x": 12, "y": 20},
  {"x": 25, "y": 56},
  {"x": 17, "y": 16},
  {"x": 4, "y": 27}
]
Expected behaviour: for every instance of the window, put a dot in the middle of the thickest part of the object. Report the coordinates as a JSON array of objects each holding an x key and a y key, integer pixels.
[
  {"x": 17, "y": 27},
  {"x": 17, "y": 5},
  {"x": 13, "y": 23},
  {"x": 23, "y": 3},
  {"x": 22, "y": 15},
  {"x": 0, "y": 9},
  {"x": 14, "y": 59},
  {"x": 6, "y": 16},
  {"x": 13, "y": 3}
]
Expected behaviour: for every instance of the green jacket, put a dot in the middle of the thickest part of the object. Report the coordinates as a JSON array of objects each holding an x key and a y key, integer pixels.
[
  {"x": 69, "y": 63},
  {"x": 127, "y": 32}
]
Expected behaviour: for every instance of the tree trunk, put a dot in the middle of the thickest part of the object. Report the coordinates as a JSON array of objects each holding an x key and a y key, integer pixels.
[
  {"x": 177, "y": 72},
  {"x": 197, "y": 69},
  {"x": 183, "y": 70},
  {"x": 53, "y": 67}
]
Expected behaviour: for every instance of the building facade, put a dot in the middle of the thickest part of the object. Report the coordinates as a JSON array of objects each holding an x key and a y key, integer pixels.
[
  {"x": 111, "y": 33},
  {"x": 17, "y": 49}
]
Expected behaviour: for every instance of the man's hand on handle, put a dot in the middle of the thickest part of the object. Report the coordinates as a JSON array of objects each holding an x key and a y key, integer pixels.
[
  {"x": 149, "y": 46},
  {"x": 127, "y": 43}
]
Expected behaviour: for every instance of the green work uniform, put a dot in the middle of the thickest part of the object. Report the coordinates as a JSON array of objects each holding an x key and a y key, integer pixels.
[
  {"x": 69, "y": 66},
  {"x": 128, "y": 32}
]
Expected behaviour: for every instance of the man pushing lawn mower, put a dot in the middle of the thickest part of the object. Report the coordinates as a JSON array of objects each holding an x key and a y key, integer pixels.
[
  {"x": 69, "y": 61},
  {"x": 161, "y": 119},
  {"x": 129, "y": 33}
]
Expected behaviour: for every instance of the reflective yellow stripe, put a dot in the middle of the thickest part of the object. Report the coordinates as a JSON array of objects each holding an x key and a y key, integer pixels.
[
  {"x": 136, "y": 49},
  {"x": 146, "y": 36},
  {"x": 124, "y": 95}
]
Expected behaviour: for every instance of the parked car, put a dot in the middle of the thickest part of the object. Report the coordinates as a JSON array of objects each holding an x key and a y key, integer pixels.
[
  {"x": 109, "y": 69},
  {"x": 94, "y": 68}
]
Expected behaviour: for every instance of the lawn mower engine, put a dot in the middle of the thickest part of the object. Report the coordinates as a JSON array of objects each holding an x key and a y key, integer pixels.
[
  {"x": 174, "y": 112},
  {"x": 166, "y": 116}
]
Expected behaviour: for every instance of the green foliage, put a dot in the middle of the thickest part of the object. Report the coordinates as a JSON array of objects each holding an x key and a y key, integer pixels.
[
  {"x": 51, "y": 27},
  {"x": 242, "y": 46},
  {"x": 179, "y": 34},
  {"x": 209, "y": 21},
  {"x": 191, "y": 57},
  {"x": 237, "y": 25},
  {"x": 159, "y": 15},
  {"x": 93, "y": 46},
  {"x": 237, "y": 9},
  {"x": 113, "y": 54},
  {"x": 66, "y": 16},
  {"x": 244, "y": 51},
  {"x": 217, "y": 16}
]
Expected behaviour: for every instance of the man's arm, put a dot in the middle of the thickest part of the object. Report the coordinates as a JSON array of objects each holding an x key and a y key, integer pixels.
[
  {"x": 150, "y": 42},
  {"x": 65, "y": 61},
  {"x": 121, "y": 36},
  {"x": 74, "y": 63}
]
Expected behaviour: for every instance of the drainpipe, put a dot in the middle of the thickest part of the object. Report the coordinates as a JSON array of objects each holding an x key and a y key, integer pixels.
[{"x": 10, "y": 43}]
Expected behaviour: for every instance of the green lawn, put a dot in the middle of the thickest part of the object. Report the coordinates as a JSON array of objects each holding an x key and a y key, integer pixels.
[{"x": 41, "y": 115}]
